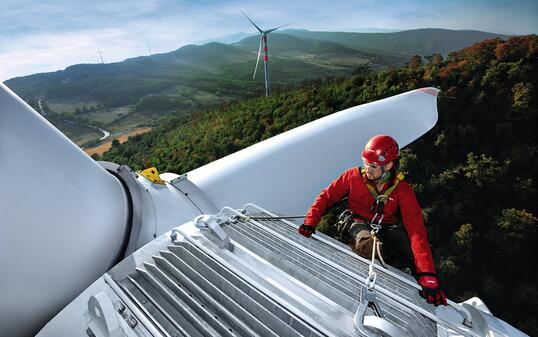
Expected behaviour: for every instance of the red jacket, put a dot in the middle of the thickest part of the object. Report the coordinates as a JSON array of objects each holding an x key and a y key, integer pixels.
[{"x": 360, "y": 201}]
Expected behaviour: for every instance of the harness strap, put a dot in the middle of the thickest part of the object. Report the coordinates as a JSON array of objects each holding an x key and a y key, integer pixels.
[{"x": 399, "y": 177}]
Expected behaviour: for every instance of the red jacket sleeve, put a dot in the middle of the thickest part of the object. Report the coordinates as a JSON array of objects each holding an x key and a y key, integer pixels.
[
  {"x": 332, "y": 194},
  {"x": 416, "y": 231}
]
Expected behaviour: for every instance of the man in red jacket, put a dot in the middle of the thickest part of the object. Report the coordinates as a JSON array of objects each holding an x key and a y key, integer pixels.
[{"x": 376, "y": 193}]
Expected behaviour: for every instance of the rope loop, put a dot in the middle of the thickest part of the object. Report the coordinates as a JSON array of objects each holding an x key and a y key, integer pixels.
[{"x": 372, "y": 275}]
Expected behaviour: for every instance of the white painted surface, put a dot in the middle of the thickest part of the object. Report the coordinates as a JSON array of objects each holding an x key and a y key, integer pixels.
[
  {"x": 62, "y": 218},
  {"x": 164, "y": 209}
]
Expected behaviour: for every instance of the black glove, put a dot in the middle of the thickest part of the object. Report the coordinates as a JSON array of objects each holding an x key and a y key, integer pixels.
[
  {"x": 306, "y": 230},
  {"x": 431, "y": 290}
]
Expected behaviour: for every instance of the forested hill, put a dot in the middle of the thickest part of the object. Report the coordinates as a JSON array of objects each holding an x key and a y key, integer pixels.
[
  {"x": 124, "y": 97},
  {"x": 227, "y": 69},
  {"x": 424, "y": 41},
  {"x": 474, "y": 173}
]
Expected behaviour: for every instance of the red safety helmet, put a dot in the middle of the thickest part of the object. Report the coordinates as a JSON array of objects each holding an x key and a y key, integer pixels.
[{"x": 381, "y": 150}]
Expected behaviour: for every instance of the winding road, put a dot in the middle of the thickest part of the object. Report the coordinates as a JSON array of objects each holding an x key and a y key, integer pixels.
[{"x": 104, "y": 132}]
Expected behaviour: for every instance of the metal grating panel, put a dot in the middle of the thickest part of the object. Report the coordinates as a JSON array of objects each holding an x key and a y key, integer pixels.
[
  {"x": 269, "y": 242},
  {"x": 189, "y": 294},
  {"x": 274, "y": 282}
]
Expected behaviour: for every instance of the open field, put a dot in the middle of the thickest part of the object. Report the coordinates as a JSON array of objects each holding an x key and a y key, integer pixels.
[
  {"x": 102, "y": 115},
  {"x": 105, "y": 146},
  {"x": 107, "y": 117},
  {"x": 59, "y": 106}
]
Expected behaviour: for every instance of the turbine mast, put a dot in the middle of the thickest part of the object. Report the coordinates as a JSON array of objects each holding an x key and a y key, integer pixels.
[
  {"x": 263, "y": 39},
  {"x": 100, "y": 55},
  {"x": 265, "y": 66}
]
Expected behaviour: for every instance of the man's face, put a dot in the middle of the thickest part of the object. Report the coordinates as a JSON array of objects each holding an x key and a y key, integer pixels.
[{"x": 373, "y": 171}]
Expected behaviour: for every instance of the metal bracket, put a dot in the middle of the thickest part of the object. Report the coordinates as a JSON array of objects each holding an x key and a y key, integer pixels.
[
  {"x": 213, "y": 222},
  {"x": 192, "y": 192},
  {"x": 102, "y": 320},
  {"x": 377, "y": 325},
  {"x": 152, "y": 175},
  {"x": 178, "y": 179}
]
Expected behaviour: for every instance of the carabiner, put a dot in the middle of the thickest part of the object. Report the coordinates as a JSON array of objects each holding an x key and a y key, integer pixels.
[{"x": 345, "y": 215}]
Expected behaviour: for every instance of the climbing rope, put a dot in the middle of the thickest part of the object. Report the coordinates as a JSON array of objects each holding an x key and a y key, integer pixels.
[
  {"x": 276, "y": 217},
  {"x": 376, "y": 225},
  {"x": 372, "y": 275}
]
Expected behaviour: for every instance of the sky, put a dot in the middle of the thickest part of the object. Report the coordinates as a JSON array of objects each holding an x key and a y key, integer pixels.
[{"x": 48, "y": 35}]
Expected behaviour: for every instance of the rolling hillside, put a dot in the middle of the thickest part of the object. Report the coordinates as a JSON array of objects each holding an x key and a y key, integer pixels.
[
  {"x": 124, "y": 83},
  {"x": 422, "y": 42},
  {"x": 134, "y": 92}
]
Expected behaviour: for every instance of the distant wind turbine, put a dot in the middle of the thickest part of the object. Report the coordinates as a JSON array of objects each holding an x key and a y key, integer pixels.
[
  {"x": 100, "y": 55},
  {"x": 149, "y": 49},
  {"x": 263, "y": 39}
]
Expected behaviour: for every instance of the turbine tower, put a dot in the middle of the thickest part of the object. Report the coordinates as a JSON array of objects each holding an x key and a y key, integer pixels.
[
  {"x": 100, "y": 55},
  {"x": 263, "y": 40}
]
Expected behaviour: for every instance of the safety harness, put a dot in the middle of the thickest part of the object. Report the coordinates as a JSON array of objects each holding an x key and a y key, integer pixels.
[
  {"x": 383, "y": 198},
  {"x": 345, "y": 219}
]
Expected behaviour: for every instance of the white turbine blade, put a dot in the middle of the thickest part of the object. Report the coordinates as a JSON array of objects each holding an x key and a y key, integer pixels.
[
  {"x": 271, "y": 30},
  {"x": 306, "y": 159},
  {"x": 259, "y": 53},
  {"x": 63, "y": 218},
  {"x": 258, "y": 28}
]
